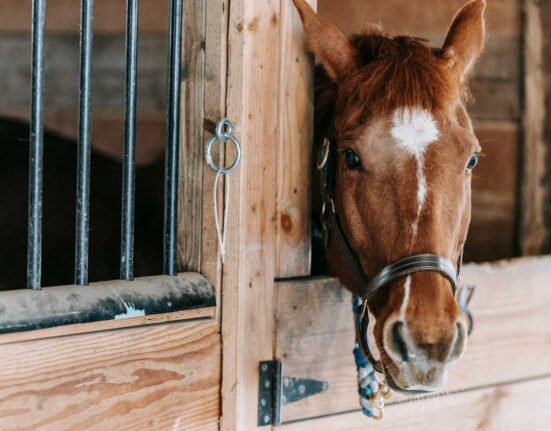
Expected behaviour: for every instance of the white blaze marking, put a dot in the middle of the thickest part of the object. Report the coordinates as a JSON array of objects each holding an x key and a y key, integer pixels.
[{"x": 414, "y": 130}]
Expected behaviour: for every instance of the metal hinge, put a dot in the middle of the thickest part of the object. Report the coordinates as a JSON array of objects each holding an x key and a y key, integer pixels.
[{"x": 275, "y": 391}]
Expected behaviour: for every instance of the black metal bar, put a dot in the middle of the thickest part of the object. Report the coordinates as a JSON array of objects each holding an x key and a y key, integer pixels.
[
  {"x": 34, "y": 252},
  {"x": 128, "y": 189},
  {"x": 173, "y": 142},
  {"x": 84, "y": 141}
]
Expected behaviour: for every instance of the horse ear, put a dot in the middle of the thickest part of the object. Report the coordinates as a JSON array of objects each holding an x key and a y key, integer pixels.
[
  {"x": 465, "y": 38},
  {"x": 330, "y": 47}
]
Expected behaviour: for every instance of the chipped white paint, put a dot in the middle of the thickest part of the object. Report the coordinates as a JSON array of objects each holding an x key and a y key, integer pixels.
[
  {"x": 405, "y": 300},
  {"x": 130, "y": 311},
  {"x": 414, "y": 130}
]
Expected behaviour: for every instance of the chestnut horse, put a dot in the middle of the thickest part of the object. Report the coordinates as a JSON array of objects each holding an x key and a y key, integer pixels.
[{"x": 394, "y": 108}]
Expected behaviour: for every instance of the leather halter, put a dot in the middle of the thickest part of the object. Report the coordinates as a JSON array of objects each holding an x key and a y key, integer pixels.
[{"x": 401, "y": 268}]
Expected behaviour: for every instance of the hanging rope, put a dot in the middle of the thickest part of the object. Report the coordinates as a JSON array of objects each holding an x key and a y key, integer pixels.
[
  {"x": 373, "y": 391},
  {"x": 223, "y": 134}
]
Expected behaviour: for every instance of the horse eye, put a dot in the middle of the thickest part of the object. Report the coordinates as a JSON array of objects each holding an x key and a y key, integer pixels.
[
  {"x": 472, "y": 163},
  {"x": 352, "y": 160}
]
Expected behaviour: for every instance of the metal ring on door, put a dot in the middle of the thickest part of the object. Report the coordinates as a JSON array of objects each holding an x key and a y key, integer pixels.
[{"x": 223, "y": 136}]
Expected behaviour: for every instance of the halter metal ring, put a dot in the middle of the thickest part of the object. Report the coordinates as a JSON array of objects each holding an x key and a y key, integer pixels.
[
  {"x": 224, "y": 137},
  {"x": 324, "y": 154}
]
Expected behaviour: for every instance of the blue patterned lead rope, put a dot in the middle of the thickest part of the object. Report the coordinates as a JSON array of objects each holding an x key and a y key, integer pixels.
[{"x": 368, "y": 385}]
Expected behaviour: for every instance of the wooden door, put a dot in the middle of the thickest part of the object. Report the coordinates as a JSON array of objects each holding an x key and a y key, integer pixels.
[{"x": 154, "y": 371}]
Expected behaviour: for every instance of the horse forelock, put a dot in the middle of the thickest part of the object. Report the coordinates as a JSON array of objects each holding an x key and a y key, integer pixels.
[{"x": 390, "y": 72}]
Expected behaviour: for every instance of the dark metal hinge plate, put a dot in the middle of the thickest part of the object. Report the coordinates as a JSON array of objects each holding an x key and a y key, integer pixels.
[{"x": 275, "y": 391}]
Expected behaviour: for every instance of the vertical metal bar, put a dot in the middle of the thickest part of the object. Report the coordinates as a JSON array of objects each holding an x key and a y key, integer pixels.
[
  {"x": 84, "y": 141},
  {"x": 34, "y": 251},
  {"x": 128, "y": 189},
  {"x": 173, "y": 142}
]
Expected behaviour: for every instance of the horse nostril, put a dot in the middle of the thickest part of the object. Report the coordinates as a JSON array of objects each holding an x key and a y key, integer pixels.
[
  {"x": 459, "y": 342},
  {"x": 398, "y": 340}
]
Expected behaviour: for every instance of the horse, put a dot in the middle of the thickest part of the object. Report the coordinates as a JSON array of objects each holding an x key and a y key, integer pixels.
[
  {"x": 59, "y": 211},
  {"x": 392, "y": 111}
]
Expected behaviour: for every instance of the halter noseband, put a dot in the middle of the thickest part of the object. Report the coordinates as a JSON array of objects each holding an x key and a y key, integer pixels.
[{"x": 401, "y": 268}]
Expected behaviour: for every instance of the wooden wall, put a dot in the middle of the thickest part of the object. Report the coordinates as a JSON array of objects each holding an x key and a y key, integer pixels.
[
  {"x": 495, "y": 108},
  {"x": 546, "y": 65}
]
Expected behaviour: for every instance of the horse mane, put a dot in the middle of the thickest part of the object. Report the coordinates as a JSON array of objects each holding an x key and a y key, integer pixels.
[{"x": 389, "y": 72}]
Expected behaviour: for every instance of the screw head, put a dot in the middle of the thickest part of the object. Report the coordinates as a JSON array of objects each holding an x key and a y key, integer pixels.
[
  {"x": 267, "y": 419},
  {"x": 302, "y": 389}
]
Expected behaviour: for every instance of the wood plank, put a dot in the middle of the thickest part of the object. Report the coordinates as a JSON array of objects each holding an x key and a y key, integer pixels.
[
  {"x": 499, "y": 60},
  {"x": 165, "y": 377},
  {"x": 216, "y": 52},
  {"x": 511, "y": 407},
  {"x": 494, "y": 99},
  {"x": 532, "y": 226},
  {"x": 546, "y": 17},
  {"x": 493, "y": 229},
  {"x": 296, "y": 115},
  {"x": 315, "y": 333},
  {"x": 503, "y": 17},
  {"x": 63, "y": 16},
  {"x": 61, "y": 83},
  {"x": 108, "y": 325},
  {"x": 248, "y": 273},
  {"x": 191, "y": 154}
]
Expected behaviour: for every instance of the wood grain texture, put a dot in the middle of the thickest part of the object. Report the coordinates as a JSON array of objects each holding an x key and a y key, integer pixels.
[
  {"x": 216, "y": 52},
  {"x": 63, "y": 16},
  {"x": 108, "y": 325},
  {"x": 191, "y": 152},
  {"x": 514, "y": 407},
  {"x": 294, "y": 156},
  {"x": 165, "y": 377},
  {"x": 532, "y": 225},
  {"x": 249, "y": 269},
  {"x": 315, "y": 335}
]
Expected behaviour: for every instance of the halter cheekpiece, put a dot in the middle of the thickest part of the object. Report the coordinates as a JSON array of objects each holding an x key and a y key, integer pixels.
[{"x": 373, "y": 389}]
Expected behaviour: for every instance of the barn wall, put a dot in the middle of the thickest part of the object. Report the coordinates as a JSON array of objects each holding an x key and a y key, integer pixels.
[
  {"x": 494, "y": 108},
  {"x": 108, "y": 71},
  {"x": 546, "y": 19}
]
